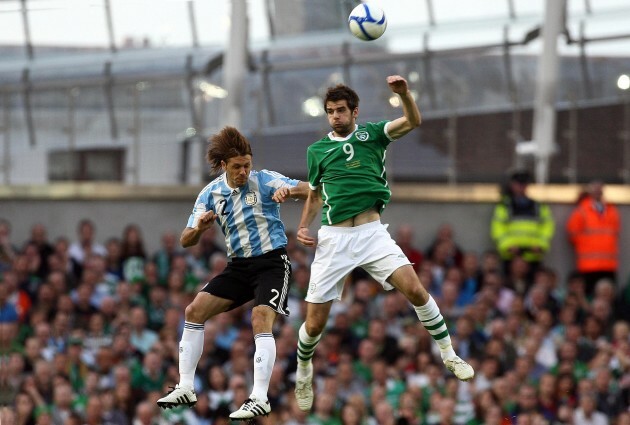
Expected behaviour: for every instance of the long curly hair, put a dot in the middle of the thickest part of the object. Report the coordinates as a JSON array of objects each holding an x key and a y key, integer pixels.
[{"x": 226, "y": 144}]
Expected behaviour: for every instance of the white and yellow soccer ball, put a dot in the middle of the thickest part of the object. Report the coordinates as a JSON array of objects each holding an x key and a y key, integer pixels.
[{"x": 367, "y": 22}]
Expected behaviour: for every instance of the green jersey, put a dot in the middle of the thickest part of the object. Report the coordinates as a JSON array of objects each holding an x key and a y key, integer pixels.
[{"x": 351, "y": 171}]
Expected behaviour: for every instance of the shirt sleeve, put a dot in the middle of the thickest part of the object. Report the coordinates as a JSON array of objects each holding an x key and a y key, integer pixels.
[
  {"x": 314, "y": 172},
  {"x": 272, "y": 181},
  {"x": 202, "y": 204},
  {"x": 379, "y": 130}
]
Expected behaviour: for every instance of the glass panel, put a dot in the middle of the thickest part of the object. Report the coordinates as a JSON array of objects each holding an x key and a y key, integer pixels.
[
  {"x": 83, "y": 24},
  {"x": 448, "y": 11},
  {"x": 91, "y": 121},
  {"x": 213, "y": 20},
  {"x": 290, "y": 90},
  {"x": 63, "y": 166},
  {"x": 16, "y": 114},
  {"x": 103, "y": 165},
  {"x": 144, "y": 23},
  {"x": 524, "y": 8},
  {"x": 12, "y": 34},
  {"x": 158, "y": 111},
  {"x": 50, "y": 110}
]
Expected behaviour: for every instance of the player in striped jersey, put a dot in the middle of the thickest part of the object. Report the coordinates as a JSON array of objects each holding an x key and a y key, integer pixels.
[
  {"x": 346, "y": 171},
  {"x": 245, "y": 203}
]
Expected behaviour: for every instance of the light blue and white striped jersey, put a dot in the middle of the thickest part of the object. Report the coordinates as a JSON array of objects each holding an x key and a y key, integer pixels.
[{"x": 249, "y": 218}]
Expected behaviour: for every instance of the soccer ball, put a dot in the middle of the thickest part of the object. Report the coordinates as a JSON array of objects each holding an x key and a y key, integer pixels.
[{"x": 367, "y": 22}]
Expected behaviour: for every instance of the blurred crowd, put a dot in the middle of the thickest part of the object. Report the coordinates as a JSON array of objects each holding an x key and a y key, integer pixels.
[{"x": 89, "y": 334}]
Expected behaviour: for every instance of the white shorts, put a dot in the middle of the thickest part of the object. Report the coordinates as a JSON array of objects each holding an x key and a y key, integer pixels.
[{"x": 341, "y": 249}]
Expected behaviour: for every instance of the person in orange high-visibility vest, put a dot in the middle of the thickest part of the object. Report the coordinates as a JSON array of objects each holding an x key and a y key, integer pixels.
[{"x": 593, "y": 229}]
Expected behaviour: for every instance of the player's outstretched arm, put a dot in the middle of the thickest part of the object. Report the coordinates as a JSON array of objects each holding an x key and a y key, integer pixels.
[
  {"x": 309, "y": 212},
  {"x": 411, "y": 114},
  {"x": 297, "y": 192},
  {"x": 190, "y": 236}
]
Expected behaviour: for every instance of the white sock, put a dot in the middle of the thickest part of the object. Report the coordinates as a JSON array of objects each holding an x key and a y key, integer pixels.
[
  {"x": 431, "y": 318},
  {"x": 306, "y": 350},
  {"x": 264, "y": 359},
  {"x": 190, "y": 349}
]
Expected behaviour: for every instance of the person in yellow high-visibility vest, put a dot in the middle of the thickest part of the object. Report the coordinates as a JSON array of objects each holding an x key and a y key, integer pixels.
[{"x": 520, "y": 225}]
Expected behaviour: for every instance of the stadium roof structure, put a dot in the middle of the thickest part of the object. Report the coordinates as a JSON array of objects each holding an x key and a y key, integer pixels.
[
  {"x": 93, "y": 67},
  {"x": 286, "y": 77}
]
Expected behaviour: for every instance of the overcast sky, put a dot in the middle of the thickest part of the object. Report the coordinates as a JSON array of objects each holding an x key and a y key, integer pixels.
[{"x": 166, "y": 23}]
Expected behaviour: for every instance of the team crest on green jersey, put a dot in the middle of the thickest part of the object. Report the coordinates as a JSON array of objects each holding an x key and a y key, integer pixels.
[
  {"x": 250, "y": 198},
  {"x": 362, "y": 135}
]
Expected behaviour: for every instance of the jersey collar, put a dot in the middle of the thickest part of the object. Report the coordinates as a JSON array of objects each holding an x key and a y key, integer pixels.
[
  {"x": 233, "y": 190},
  {"x": 332, "y": 136}
]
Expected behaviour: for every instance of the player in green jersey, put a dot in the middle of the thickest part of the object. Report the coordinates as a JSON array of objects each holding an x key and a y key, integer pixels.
[{"x": 346, "y": 172}]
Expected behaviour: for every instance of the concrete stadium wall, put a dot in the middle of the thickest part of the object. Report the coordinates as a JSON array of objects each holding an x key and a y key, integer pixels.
[{"x": 469, "y": 219}]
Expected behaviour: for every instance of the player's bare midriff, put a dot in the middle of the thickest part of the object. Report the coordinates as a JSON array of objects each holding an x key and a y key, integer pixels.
[{"x": 364, "y": 217}]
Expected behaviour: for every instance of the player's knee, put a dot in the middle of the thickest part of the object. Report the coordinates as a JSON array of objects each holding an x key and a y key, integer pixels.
[
  {"x": 314, "y": 328},
  {"x": 417, "y": 295},
  {"x": 193, "y": 313},
  {"x": 259, "y": 318}
]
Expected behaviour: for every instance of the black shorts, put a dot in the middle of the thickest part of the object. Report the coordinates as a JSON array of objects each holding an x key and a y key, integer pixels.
[{"x": 264, "y": 279}]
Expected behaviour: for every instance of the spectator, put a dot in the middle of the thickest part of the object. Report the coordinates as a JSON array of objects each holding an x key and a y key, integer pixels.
[
  {"x": 521, "y": 226},
  {"x": 132, "y": 254},
  {"x": 84, "y": 306},
  {"x": 547, "y": 397},
  {"x": 209, "y": 244},
  {"x": 386, "y": 345},
  {"x": 7, "y": 248},
  {"x": 97, "y": 335},
  {"x": 142, "y": 338},
  {"x": 445, "y": 240},
  {"x": 24, "y": 409},
  {"x": 7, "y": 415},
  {"x": 62, "y": 403},
  {"x": 12, "y": 374},
  {"x": 85, "y": 245},
  {"x": 159, "y": 304},
  {"x": 470, "y": 341},
  {"x": 324, "y": 412},
  {"x": 295, "y": 415},
  {"x": 15, "y": 295},
  {"x": 383, "y": 376},
  {"x": 404, "y": 239},
  {"x": 350, "y": 415},
  {"x": 527, "y": 401},
  {"x": 26, "y": 272},
  {"x": 8, "y": 320},
  {"x": 113, "y": 258},
  {"x": 348, "y": 383},
  {"x": 39, "y": 240},
  {"x": 471, "y": 278},
  {"x": 47, "y": 368},
  {"x": 148, "y": 376},
  {"x": 490, "y": 369},
  {"x": 61, "y": 261},
  {"x": 112, "y": 415},
  {"x": 593, "y": 229},
  {"x": 196, "y": 263},
  {"x": 146, "y": 414},
  {"x": 219, "y": 393},
  {"x": 586, "y": 413},
  {"x": 608, "y": 397},
  {"x": 164, "y": 255},
  {"x": 448, "y": 301}
]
